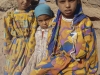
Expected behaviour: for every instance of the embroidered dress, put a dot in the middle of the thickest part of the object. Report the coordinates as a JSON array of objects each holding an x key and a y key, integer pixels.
[{"x": 19, "y": 40}]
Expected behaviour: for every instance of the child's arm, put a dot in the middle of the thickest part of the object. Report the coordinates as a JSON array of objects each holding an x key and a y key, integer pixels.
[
  {"x": 7, "y": 35},
  {"x": 92, "y": 55},
  {"x": 31, "y": 43}
]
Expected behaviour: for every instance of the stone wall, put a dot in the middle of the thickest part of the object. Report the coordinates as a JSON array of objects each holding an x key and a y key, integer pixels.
[
  {"x": 94, "y": 3},
  {"x": 7, "y": 4}
]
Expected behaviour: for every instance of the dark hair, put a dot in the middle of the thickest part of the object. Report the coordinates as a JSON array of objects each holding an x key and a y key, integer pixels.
[
  {"x": 34, "y": 3},
  {"x": 79, "y": 1}
]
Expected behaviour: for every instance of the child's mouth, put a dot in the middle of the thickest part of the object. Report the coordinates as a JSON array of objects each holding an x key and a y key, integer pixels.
[
  {"x": 24, "y": 5},
  {"x": 67, "y": 11}
]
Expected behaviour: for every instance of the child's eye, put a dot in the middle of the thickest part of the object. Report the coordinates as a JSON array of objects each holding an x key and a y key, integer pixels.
[
  {"x": 39, "y": 20},
  {"x": 62, "y": 1},
  {"x": 71, "y": 0},
  {"x": 47, "y": 19}
]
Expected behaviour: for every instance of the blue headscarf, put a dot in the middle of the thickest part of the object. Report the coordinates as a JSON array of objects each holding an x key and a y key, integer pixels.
[
  {"x": 43, "y": 9},
  {"x": 78, "y": 17}
]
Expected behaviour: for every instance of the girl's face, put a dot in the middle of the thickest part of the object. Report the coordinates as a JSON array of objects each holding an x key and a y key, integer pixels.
[
  {"x": 43, "y": 21},
  {"x": 67, "y": 7},
  {"x": 23, "y": 4}
]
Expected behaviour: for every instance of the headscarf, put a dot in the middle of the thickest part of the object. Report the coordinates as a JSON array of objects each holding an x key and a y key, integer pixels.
[{"x": 43, "y": 9}]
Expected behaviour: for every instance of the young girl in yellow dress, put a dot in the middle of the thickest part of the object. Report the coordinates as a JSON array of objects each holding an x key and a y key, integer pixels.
[
  {"x": 72, "y": 49},
  {"x": 19, "y": 42}
]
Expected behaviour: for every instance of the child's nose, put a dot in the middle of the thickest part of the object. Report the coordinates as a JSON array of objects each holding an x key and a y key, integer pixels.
[
  {"x": 44, "y": 22},
  {"x": 67, "y": 4},
  {"x": 25, "y": 1}
]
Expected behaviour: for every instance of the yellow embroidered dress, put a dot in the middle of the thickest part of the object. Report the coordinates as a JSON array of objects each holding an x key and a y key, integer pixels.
[{"x": 19, "y": 41}]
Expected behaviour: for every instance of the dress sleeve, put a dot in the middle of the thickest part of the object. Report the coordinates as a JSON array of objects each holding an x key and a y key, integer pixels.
[
  {"x": 7, "y": 35},
  {"x": 92, "y": 55},
  {"x": 32, "y": 42}
]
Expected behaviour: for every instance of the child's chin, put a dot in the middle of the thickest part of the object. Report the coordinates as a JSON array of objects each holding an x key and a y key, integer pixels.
[
  {"x": 44, "y": 27},
  {"x": 23, "y": 8}
]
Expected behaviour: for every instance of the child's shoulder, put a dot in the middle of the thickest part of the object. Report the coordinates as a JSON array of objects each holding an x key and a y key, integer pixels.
[
  {"x": 88, "y": 22},
  {"x": 52, "y": 23},
  {"x": 9, "y": 14},
  {"x": 23, "y": 11}
]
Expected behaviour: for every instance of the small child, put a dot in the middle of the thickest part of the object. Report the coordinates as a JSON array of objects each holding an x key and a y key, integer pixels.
[
  {"x": 43, "y": 15},
  {"x": 72, "y": 49},
  {"x": 19, "y": 42}
]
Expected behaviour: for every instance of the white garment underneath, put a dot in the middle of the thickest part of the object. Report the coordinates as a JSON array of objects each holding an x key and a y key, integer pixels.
[{"x": 40, "y": 50}]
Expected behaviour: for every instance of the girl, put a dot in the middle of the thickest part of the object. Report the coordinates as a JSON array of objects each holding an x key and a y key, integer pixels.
[
  {"x": 72, "y": 49},
  {"x": 19, "y": 42},
  {"x": 43, "y": 15}
]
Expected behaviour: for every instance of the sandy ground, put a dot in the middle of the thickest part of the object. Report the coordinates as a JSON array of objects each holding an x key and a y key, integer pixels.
[
  {"x": 93, "y": 13},
  {"x": 2, "y": 59}
]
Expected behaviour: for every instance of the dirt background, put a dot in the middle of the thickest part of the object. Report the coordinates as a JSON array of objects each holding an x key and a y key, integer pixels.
[{"x": 90, "y": 8}]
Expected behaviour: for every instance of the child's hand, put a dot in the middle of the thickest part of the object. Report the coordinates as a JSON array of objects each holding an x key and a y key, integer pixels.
[
  {"x": 5, "y": 52},
  {"x": 27, "y": 60}
]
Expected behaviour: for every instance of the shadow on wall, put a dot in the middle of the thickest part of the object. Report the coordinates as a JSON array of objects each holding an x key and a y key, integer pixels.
[
  {"x": 94, "y": 18},
  {"x": 1, "y": 9}
]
